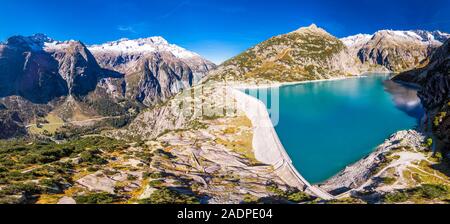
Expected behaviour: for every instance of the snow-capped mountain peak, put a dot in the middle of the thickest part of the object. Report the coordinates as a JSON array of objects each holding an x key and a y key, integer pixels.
[
  {"x": 40, "y": 38},
  {"x": 425, "y": 37},
  {"x": 433, "y": 36},
  {"x": 356, "y": 39},
  {"x": 38, "y": 42},
  {"x": 396, "y": 50},
  {"x": 143, "y": 45}
]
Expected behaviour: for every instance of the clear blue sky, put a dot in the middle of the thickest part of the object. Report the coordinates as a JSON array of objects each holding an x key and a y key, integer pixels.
[{"x": 217, "y": 29}]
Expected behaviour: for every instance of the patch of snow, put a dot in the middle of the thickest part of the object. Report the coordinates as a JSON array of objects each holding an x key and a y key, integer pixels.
[
  {"x": 40, "y": 42},
  {"x": 35, "y": 42},
  {"x": 356, "y": 39},
  {"x": 56, "y": 45},
  {"x": 423, "y": 36},
  {"x": 144, "y": 45},
  {"x": 426, "y": 37}
]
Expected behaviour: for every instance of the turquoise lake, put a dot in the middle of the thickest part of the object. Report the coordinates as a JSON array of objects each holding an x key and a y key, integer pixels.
[{"x": 326, "y": 126}]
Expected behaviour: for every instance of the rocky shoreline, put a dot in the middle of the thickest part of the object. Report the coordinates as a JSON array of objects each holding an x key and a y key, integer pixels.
[{"x": 354, "y": 176}]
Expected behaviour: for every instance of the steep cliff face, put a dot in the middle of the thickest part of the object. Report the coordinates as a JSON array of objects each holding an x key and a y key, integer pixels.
[
  {"x": 77, "y": 67},
  {"x": 11, "y": 125},
  {"x": 154, "y": 69},
  {"x": 435, "y": 94},
  {"x": 398, "y": 51},
  {"x": 434, "y": 80},
  {"x": 29, "y": 71},
  {"x": 39, "y": 75},
  {"x": 309, "y": 53},
  {"x": 152, "y": 78},
  {"x": 41, "y": 69},
  {"x": 158, "y": 78},
  {"x": 148, "y": 70}
]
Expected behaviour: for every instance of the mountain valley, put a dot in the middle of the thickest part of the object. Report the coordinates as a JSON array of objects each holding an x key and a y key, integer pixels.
[{"x": 146, "y": 121}]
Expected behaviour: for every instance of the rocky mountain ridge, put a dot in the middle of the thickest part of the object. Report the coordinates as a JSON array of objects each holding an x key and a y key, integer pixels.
[
  {"x": 434, "y": 80},
  {"x": 155, "y": 69},
  {"x": 309, "y": 53},
  {"x": 398, "y": 51},
  {"x": 144, "y": 45},
  {"x": 40, "y": 69}
]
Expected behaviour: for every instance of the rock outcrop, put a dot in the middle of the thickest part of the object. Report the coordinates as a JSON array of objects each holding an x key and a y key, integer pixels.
[
  {"x": 154, "y": 69},
  {"x": 11, "y": 125},
  {"x": 26, "y": 69},
  {"x": 398, "y": 51},
  {"x": 434, "y": 81},
  {"x": 355, "y": 175}
]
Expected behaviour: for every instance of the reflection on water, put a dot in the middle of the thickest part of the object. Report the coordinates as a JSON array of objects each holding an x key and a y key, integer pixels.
[{"x": 405, "y": 99}]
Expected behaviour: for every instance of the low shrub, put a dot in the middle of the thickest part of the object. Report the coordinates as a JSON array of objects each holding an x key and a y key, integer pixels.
[
  {"x": 431, "y": 191},
  {"x": 388, "y": 180},
  {"x": 155, "y": 183},
  {"x": 396, "y": 197},
  {"x": 96, "y": 198},
  {"x": 168, "y": 196},
  {"x": 293, "y": 195},
  {"x": 298, "y": 197},
  {"x": 131, "y": 177},
  {"x": 157, "y": 175},
  {"x": 20, "y": 188},
  {"x": 92, "y": 157}
]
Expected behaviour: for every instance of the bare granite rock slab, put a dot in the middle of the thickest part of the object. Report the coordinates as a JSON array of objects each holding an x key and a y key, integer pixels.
[
  {"x": 66, "y": 201},
  {"x": 355, "y": 175},
  {"x": 97, "y": 182},
  {"x": 148, "y": 191}
]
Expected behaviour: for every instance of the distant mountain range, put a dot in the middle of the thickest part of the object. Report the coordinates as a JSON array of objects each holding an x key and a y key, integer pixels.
[
  {"x": 311, "y": 53},
  {"x": 39, "y": 75},
  {"x": 398, "y": 51},
  {"x": 154, "y": 69},
  {"x": 308, "y": 53},
  {"x": 54, "y": 68}
]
